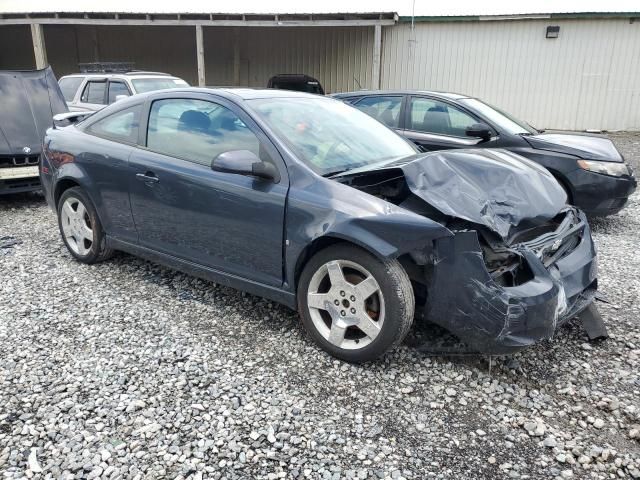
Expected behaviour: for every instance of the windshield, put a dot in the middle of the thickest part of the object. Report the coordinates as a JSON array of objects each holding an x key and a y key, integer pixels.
[
  {"x": 329, "y": 135},
  {"x": 143, "y": 85},
  {"x": 501, "y": 119}
]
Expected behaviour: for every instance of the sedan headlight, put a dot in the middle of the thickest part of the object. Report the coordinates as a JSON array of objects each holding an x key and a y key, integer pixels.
[{"x": 614, "y": 169}]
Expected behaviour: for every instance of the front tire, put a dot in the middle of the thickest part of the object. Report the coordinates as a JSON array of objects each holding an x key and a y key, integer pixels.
[
  {"x": 80, "y": 227},
  {"x": 354, "y": 305}
]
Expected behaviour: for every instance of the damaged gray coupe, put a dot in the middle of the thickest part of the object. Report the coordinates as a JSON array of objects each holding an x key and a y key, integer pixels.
[{"x": 312, "y": 203}]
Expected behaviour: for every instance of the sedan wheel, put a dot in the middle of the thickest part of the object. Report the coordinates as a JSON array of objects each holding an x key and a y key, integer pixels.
[
  {"x": 76, "y": 226},
  {"x": 81, "y": 228},
  {"x": 346, "y": 304},
  {"x": 354, "y": 305}
]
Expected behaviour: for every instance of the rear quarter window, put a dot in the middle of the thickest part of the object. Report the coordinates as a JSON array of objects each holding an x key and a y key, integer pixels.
[
  {"x": 69, "y": 87},
  {"x": 121, "y": 126},
  {"x": 94, "y": 92}
]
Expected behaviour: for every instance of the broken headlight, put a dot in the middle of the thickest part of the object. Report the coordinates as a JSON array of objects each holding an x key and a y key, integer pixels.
[{"x": 613, "y": 169}]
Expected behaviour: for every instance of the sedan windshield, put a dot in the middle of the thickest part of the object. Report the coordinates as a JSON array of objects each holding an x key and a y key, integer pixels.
[
  {"x": 143, "y": 85},
  {"x": 501, "y": 119},
  {"x": 330, "y": 136}
]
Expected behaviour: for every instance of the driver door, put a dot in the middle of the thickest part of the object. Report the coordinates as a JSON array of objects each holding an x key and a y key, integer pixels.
[
  {"x": 181, "y": 207},
  {"x": 435, "y": 125}
]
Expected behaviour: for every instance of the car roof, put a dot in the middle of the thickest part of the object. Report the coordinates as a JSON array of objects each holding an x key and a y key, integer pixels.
[
  {"x": 232, "y": 94},
  {"x": 242, "y": 93},
  {"x": 292, "y": 76},
  {"x": 131, "y": 75},
  {"x": 253, "y": 93},
  {"x": 431, "y": 93}
]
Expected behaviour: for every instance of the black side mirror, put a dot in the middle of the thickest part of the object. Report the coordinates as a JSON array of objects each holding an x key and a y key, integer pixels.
[
  {"x": 244, "y": 162},
  {"x": 479, "y": 130}
]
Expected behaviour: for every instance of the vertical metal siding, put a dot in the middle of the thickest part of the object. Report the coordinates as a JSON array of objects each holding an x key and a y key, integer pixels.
[
  {"x": 165, "y": 49},
  {"x": 585, "y": 79},
  {"x": 336, "y": 56}
]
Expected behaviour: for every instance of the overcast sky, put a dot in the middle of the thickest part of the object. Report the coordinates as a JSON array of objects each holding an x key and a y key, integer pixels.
[{"x": 403, "y": 7}]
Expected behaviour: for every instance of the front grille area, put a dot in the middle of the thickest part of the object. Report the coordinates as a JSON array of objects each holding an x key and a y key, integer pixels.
[
  {"x": 19, "y": 183},
  {"x": 550, "y": 242},
  {"x": 20, "y": 161}
]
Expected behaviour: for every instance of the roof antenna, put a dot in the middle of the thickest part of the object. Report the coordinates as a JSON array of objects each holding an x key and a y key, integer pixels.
[
  {"x": 413, "y": 14},
  {"x": 356, "y": 80},
  {"x": 412, "y": 34}
]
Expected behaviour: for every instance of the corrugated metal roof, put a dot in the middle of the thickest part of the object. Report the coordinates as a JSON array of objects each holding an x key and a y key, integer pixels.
[{"x": 421, "y": 8}]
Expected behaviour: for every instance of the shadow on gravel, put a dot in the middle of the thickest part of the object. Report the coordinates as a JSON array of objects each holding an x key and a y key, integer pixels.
[
  {"x": 20, "y": 200},
  {"x": 615, "y": 224},
  {"x": 270, "y": 318}
]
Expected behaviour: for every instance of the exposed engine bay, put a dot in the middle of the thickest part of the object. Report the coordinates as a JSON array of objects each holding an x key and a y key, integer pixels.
[
  {"x": 549, "y": 239},
  {"x": 520, "y": 259}
]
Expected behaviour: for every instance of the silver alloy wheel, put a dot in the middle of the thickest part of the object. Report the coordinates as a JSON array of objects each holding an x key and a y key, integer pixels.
[
  {"x": 76, "y": 226},
  {"x": 342, "y": 297}
]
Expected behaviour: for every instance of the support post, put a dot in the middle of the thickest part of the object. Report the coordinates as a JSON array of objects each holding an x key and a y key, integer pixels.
[
  {"x": 200, "y": 55},
  {"x": 236, "y": 57},
  {"x": 39, "y": 49},
  {"x": 377, "y": 53}
]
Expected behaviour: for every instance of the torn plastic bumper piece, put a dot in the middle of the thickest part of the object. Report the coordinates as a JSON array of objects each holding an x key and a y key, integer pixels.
[
  {"x": 491, "y": 318},
  {"x": 593, "y": 324}
]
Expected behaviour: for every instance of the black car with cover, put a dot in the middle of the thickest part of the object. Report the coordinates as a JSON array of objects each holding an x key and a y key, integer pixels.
[{"x": 28, "y": 100}]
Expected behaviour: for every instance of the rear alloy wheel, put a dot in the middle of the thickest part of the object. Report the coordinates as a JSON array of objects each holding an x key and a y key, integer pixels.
[
  {"x": 80, "y": 227},
  {"x": 76, "y": 226},
  {"x": 354, "y": 305}
]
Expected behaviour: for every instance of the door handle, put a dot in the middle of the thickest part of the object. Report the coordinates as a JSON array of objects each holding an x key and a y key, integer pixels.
[{"x": 148, "y": 177}]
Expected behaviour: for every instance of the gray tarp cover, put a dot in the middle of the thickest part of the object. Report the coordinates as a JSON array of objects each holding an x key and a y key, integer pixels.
[
  {"x": 28, "y": 101},
  {"x": 495, "y": 188}
]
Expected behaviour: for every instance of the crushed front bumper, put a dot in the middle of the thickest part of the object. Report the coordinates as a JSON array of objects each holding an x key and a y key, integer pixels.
[{"x": 491, "y": 318}]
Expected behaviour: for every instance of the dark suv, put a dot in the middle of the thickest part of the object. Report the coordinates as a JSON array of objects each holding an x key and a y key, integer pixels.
[{"x": 297, "y": 82}]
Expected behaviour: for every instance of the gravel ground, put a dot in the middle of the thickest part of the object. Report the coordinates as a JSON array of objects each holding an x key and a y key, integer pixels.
[{"x": 129, "y": 370}]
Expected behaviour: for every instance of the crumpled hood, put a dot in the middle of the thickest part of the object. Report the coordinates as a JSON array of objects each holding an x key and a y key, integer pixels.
[
  {"x": 28, "y": 101},
  {"x": 587, "y": 147},
  {"x": 495, "y": 188}
]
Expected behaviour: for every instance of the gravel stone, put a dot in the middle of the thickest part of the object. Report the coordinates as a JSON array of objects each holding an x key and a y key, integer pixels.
[{"x": 127, "y": 370}]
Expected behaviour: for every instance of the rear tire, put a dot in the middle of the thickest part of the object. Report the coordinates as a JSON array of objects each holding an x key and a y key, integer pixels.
[
  {"x": 354, "y": 305},
  {"x": 80, "y": 227}
]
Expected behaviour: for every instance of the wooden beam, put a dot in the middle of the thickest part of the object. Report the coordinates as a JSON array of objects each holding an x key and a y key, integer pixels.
[
  {"x": 377, "y": 53},
  {"x": 200, "y": 56},
  {"x": 39, "y": 48},
  {"x": 188, "y": 22},
  {"x": 236, "y": 58}
]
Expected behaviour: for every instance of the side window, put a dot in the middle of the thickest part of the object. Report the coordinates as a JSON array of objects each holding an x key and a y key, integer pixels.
[
  {"x": 69, "y": 87},
  {"x": 383, "y": 109},
  {"x": 122, "y": 126},
  {"x": 432, "y": 116},
  {"x": 115, "y": 89},
  {"x": 94, "y": 92},
  {"x": 198, "y": 131}
]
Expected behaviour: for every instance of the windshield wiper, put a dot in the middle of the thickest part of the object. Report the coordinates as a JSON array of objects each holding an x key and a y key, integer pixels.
[{"x": 334, "y": 172}]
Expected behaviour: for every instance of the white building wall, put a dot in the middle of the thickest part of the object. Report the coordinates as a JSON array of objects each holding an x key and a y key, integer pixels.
[{"x": 588, "y": 78}]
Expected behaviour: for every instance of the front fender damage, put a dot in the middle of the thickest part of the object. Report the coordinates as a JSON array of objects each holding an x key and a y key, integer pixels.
[
  {"x": 519, "y": 261},
  {"x": 465, "y": 300},
  {"x": 491, "y": 318}
]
